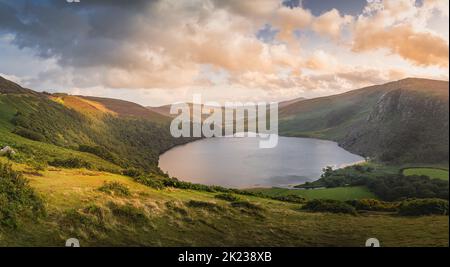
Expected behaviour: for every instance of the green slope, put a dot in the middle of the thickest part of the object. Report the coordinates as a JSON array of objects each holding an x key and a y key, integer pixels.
[
  {"x": 337, "y": 193},
  {"x": 398, "y": 122},
  {"x": 123, "y": 133},
  {"x": 119, "y": 135},
  {"x": 174, "y": 217}
]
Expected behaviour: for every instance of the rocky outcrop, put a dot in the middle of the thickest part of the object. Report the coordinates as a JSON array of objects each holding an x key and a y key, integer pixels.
[
  {"x": 404, "y": 126},
  {"x": 7, "y": 151}
]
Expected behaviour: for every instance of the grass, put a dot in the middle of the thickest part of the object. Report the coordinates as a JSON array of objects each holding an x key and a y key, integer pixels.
[
  {"x": 430, "y": 172},
  {"x": 338, "y": 193},
  {"x": 33, "y": 152},
  {"x": 175, "y": 217},
  {"x": 114, "y": 188}
]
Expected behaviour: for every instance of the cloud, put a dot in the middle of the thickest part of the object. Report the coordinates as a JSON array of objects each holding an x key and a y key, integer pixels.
[
  {"x": 168, "y": 44},
  {"x": 260, "y": 9},
  {"x": 421, "y": 48},
  {"x": 400, "y": 28},
  {"x": 331, "y": 23},
  {"x": 321, "y": 60},
  {"x": 289, "y": 19}
]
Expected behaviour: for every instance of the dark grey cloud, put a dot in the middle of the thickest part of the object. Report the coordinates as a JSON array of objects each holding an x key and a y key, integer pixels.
[
  {"x": 91, "y": 32},
  {"x": 292, "y": 3}
]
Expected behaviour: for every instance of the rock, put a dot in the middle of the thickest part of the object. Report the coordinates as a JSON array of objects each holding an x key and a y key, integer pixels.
[{"x": 7, "y": 151}]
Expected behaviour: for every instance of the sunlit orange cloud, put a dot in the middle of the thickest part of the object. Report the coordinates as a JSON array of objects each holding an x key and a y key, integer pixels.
[
  {"x": 421, "y": 48},
  {"x": 400, "y": 27},
  {"x": 226, "y": 39},
  {"x": 167, "y": 44}
]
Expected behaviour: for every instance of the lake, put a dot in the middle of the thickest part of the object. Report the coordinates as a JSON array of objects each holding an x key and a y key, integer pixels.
[{"x": 240, "y": 163}]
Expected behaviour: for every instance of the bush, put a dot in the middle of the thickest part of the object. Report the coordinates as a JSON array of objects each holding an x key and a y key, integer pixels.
[
  {"x": 150, "y": 181},
  {"x": 246, "y": 205},
  {"x": 73, "y": 163},
  {"x": 128, "y": 213},
  {"x": 29, "y": 134},
  {"x": 204, "y": 205},
  {"x": 186, "y": 185},
  {"x": 115, "y": 188},
  {"x": 417, "y": 207},
  {"x": 132, "y": 172},
  {"x": 96, "y": 211},
  {"x": 373, "y": 205},
  {"x": 328, "y": 205},
  {"x": 227, "y": 197},
  {"x": 290, "y": 198},
  {"x": 398, "y": 187},
  {"x": 17, "y": 198},
  {"x": 77, "y": 219},
  {"x": 99, "y": 151}
]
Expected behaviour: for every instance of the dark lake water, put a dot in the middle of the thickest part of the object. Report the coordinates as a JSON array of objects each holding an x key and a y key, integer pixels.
[{"x": 240, "y": 163}]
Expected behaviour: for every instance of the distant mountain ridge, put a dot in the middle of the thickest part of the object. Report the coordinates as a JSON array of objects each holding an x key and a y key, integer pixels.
[
  {"x": 121, "y": 132},
  {"x": 165, "y": 109},
  {"x": 9, "y": 87},
  {"x": 398, "y": 122}
]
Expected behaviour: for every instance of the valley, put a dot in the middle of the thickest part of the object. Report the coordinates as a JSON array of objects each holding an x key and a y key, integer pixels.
[
  {"x": 178, "y": 217},
  {"x": 88, "y": 168}
]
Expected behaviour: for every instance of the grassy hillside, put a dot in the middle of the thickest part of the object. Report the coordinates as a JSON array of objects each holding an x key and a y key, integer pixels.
[
  {"x": 338, "y": 193},
  {"x": 72, "y": 150},
  {"x": 398, "y": 122},
  {"x": 78, "y": 206},
  {"x": 123, "y": 133},
  {"x": 430, "y": 172},
  {"x": 127, "y": 109}
]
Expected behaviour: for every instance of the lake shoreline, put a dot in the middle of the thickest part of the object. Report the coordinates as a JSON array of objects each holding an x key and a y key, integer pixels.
[{"x": 320, "y": 148}]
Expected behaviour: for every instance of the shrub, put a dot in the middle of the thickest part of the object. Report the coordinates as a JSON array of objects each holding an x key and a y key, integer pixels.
[
  {"x": 373, "y": 205},
  {"x": 96, "y": 211},
  {"x": 204, "y": 205},
  {"x": 128, "y": 213},
  {"x": 328, "y": 205},
  {"x": 29, "y": 134},
  {"x": 77, "y": 219},
  {"x": 17, "y": 198},
  {"x": 82, "y": 223},
  {"x": 132, "y": 172},
  {"x": 186, "y": 185},
  {"x": 114, "y": 188},
  {"x": 100, "y": 152},
  {"x": 227, "y": 197},
  {"x": 290, "y": 198},
  {"x": 398, "y": 187},
  {"x": 73, "y": 163},
  {"x": 171, "y": 205},
  {"x": 246, "y": 205},
  {"x": 150, "y": 181},
  {"x": 417, "y": 207}
]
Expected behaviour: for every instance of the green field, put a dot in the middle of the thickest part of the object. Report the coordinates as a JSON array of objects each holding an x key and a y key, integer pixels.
[
  {"x": 430, "y": 172},
  {"x": 167, "y": 217},
  {"x": 338, "y": 193}
]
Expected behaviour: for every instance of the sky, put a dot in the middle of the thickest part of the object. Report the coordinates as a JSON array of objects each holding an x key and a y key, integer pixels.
[{"x": 156, "y": 52}]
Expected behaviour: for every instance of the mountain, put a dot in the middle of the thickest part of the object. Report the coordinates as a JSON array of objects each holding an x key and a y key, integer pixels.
[
  {"x": 9, "y": 87},
  {"x": 165, "y": 109},
  {"x": 290, "y": 102},
  {"x": 120, "y": 132},
  {"x": 78, "y": 154},
  {"x": 399, "y": 122},
  {"x": 126, "y": 108}
]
